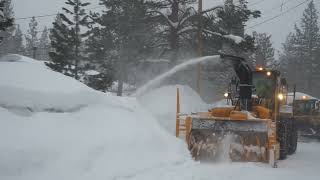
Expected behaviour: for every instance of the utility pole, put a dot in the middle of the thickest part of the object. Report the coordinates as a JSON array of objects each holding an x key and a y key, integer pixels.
[{"x": 200, "y": 46}]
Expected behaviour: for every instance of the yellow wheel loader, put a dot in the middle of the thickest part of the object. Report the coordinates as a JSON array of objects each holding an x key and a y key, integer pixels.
[{"x": 252, "y": 129}]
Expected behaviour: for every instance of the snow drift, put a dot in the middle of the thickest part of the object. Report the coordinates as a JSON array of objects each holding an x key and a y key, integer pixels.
[
  {"x": 27, "y": 86},
  {"x": 108, "y": 138}
]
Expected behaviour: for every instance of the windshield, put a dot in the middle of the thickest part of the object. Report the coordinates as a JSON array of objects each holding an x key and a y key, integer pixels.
[{"x": 263, "y": 85}]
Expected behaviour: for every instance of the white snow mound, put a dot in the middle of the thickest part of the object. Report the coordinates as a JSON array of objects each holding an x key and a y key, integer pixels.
[
  {"x": 26, "y": 73},
  {"x": 114, "y": 138},
  {"x": 299, "y": 96},
  {"x": 27, "y": 85}
]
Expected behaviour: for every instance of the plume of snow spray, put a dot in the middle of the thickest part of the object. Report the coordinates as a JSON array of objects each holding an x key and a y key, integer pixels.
[
  {"x": 226, "y": 142},
  {"x": 155, "y": 82}
]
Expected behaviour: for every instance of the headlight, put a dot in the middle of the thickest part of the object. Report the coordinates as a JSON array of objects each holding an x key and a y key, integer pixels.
[
  {"x": 269, "y": 73},
  {"x": 226, "y": 95},
  {"x": 280, "y": 97}
]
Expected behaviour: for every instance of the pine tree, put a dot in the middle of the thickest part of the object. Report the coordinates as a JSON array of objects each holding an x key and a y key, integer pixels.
[
  {"x": 178, "y": 28},
  {"x": 6, "y": 25},
  {"x": 301, "y": 51},
  {"x": 32, "y": 41},
  {"x": 310, "y": 43},
  {"x": 233, "y": 20},
  {"x": 17, "y": 42},
  {"x": 99, "y": 47},
  {"x": 129, "y": 22},
  {"x": 288, "y": 56},
  {"x": 61, "y": 54},
  {"x": 44, "y": 45},
  {"x": 182, "y": 26},
  {"x": 6, "y": 15},
  {"x": 218, "y": 26},
  {"x": 69, "y": 31},
  {"x": 264, "y": 51}
]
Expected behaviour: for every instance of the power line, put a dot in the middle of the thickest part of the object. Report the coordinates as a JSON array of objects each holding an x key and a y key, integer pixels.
[
  {"x": 285, "y": 2},
  {"x": 49, "y": 15},
  {"x": 281, "y": 6},
  {"x": 278, "y": 15},
  {"x": 39, "y": 16},
  {"x": 275, "y": 8},
  {"x": 255, "y": 3}
]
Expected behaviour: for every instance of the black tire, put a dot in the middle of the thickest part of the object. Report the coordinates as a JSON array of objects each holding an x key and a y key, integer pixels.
[
  {"x": 293, "y": 138},
  {"x": 282, "y": 133}
]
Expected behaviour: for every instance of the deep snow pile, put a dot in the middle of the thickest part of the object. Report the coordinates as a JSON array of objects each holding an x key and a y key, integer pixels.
[
  {"x": 161, "y": 102},
  {"x": 107, "y": 138},
  {"x": 27, "y": 85},
  {"x": 299, "y": 96}
]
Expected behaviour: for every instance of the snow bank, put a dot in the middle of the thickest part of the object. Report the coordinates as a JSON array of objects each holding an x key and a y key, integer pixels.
[
  {"x": 98, "y": 142},
  {"x": 27, "y": 85},
  {"x": 299, "y": 96},
  {"x": 23, "y": 72},
  {"x": 107, "y": 138},
  {"x": 161, "y": 103}
]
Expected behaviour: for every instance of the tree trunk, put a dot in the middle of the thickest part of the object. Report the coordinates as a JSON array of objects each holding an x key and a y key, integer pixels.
[
  {"x": 121, "y": 77},
  {"x": 76, "y": 63},
  {"x": 174, "y": 37},
  {"x": 120, "y": 87},
  {"x": 77, "y": 29}
]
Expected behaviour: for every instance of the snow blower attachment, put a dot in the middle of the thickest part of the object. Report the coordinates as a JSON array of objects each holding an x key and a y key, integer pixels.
[{"x": 252, "y": 129}]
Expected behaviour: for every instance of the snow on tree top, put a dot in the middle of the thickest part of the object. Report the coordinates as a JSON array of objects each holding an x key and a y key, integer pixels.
[
  {"x": 234, "y": 38},
  {"x": 92, "y": 73}
]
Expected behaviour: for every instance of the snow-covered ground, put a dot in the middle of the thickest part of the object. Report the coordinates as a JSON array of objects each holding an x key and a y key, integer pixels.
[
  {"x": 53, "y": 127},
  {"x": 303, "y": 165},
  {"x": 105, "y": 137}
]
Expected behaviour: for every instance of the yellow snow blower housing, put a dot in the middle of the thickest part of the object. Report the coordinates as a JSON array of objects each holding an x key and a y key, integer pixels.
[{"x": 252, "y": 129}]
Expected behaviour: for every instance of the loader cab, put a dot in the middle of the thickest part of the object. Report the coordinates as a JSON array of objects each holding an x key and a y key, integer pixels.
[
  {"x": 266, "y": 87},
  {"x": 265, "y": 84}
]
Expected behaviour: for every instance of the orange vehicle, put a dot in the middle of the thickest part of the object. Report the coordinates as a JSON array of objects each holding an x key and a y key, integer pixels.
[{"x": 253, "y": 129}]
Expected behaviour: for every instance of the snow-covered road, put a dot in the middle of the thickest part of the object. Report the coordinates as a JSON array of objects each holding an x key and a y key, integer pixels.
[{"x": 304, "y": 164}]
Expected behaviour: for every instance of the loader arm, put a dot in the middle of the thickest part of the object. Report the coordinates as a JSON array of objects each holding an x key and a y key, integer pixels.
[{"x": 244, "y": 73}]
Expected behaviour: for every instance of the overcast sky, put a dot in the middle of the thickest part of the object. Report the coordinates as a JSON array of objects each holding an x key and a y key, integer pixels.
[{"x": 278, "y": 28}]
